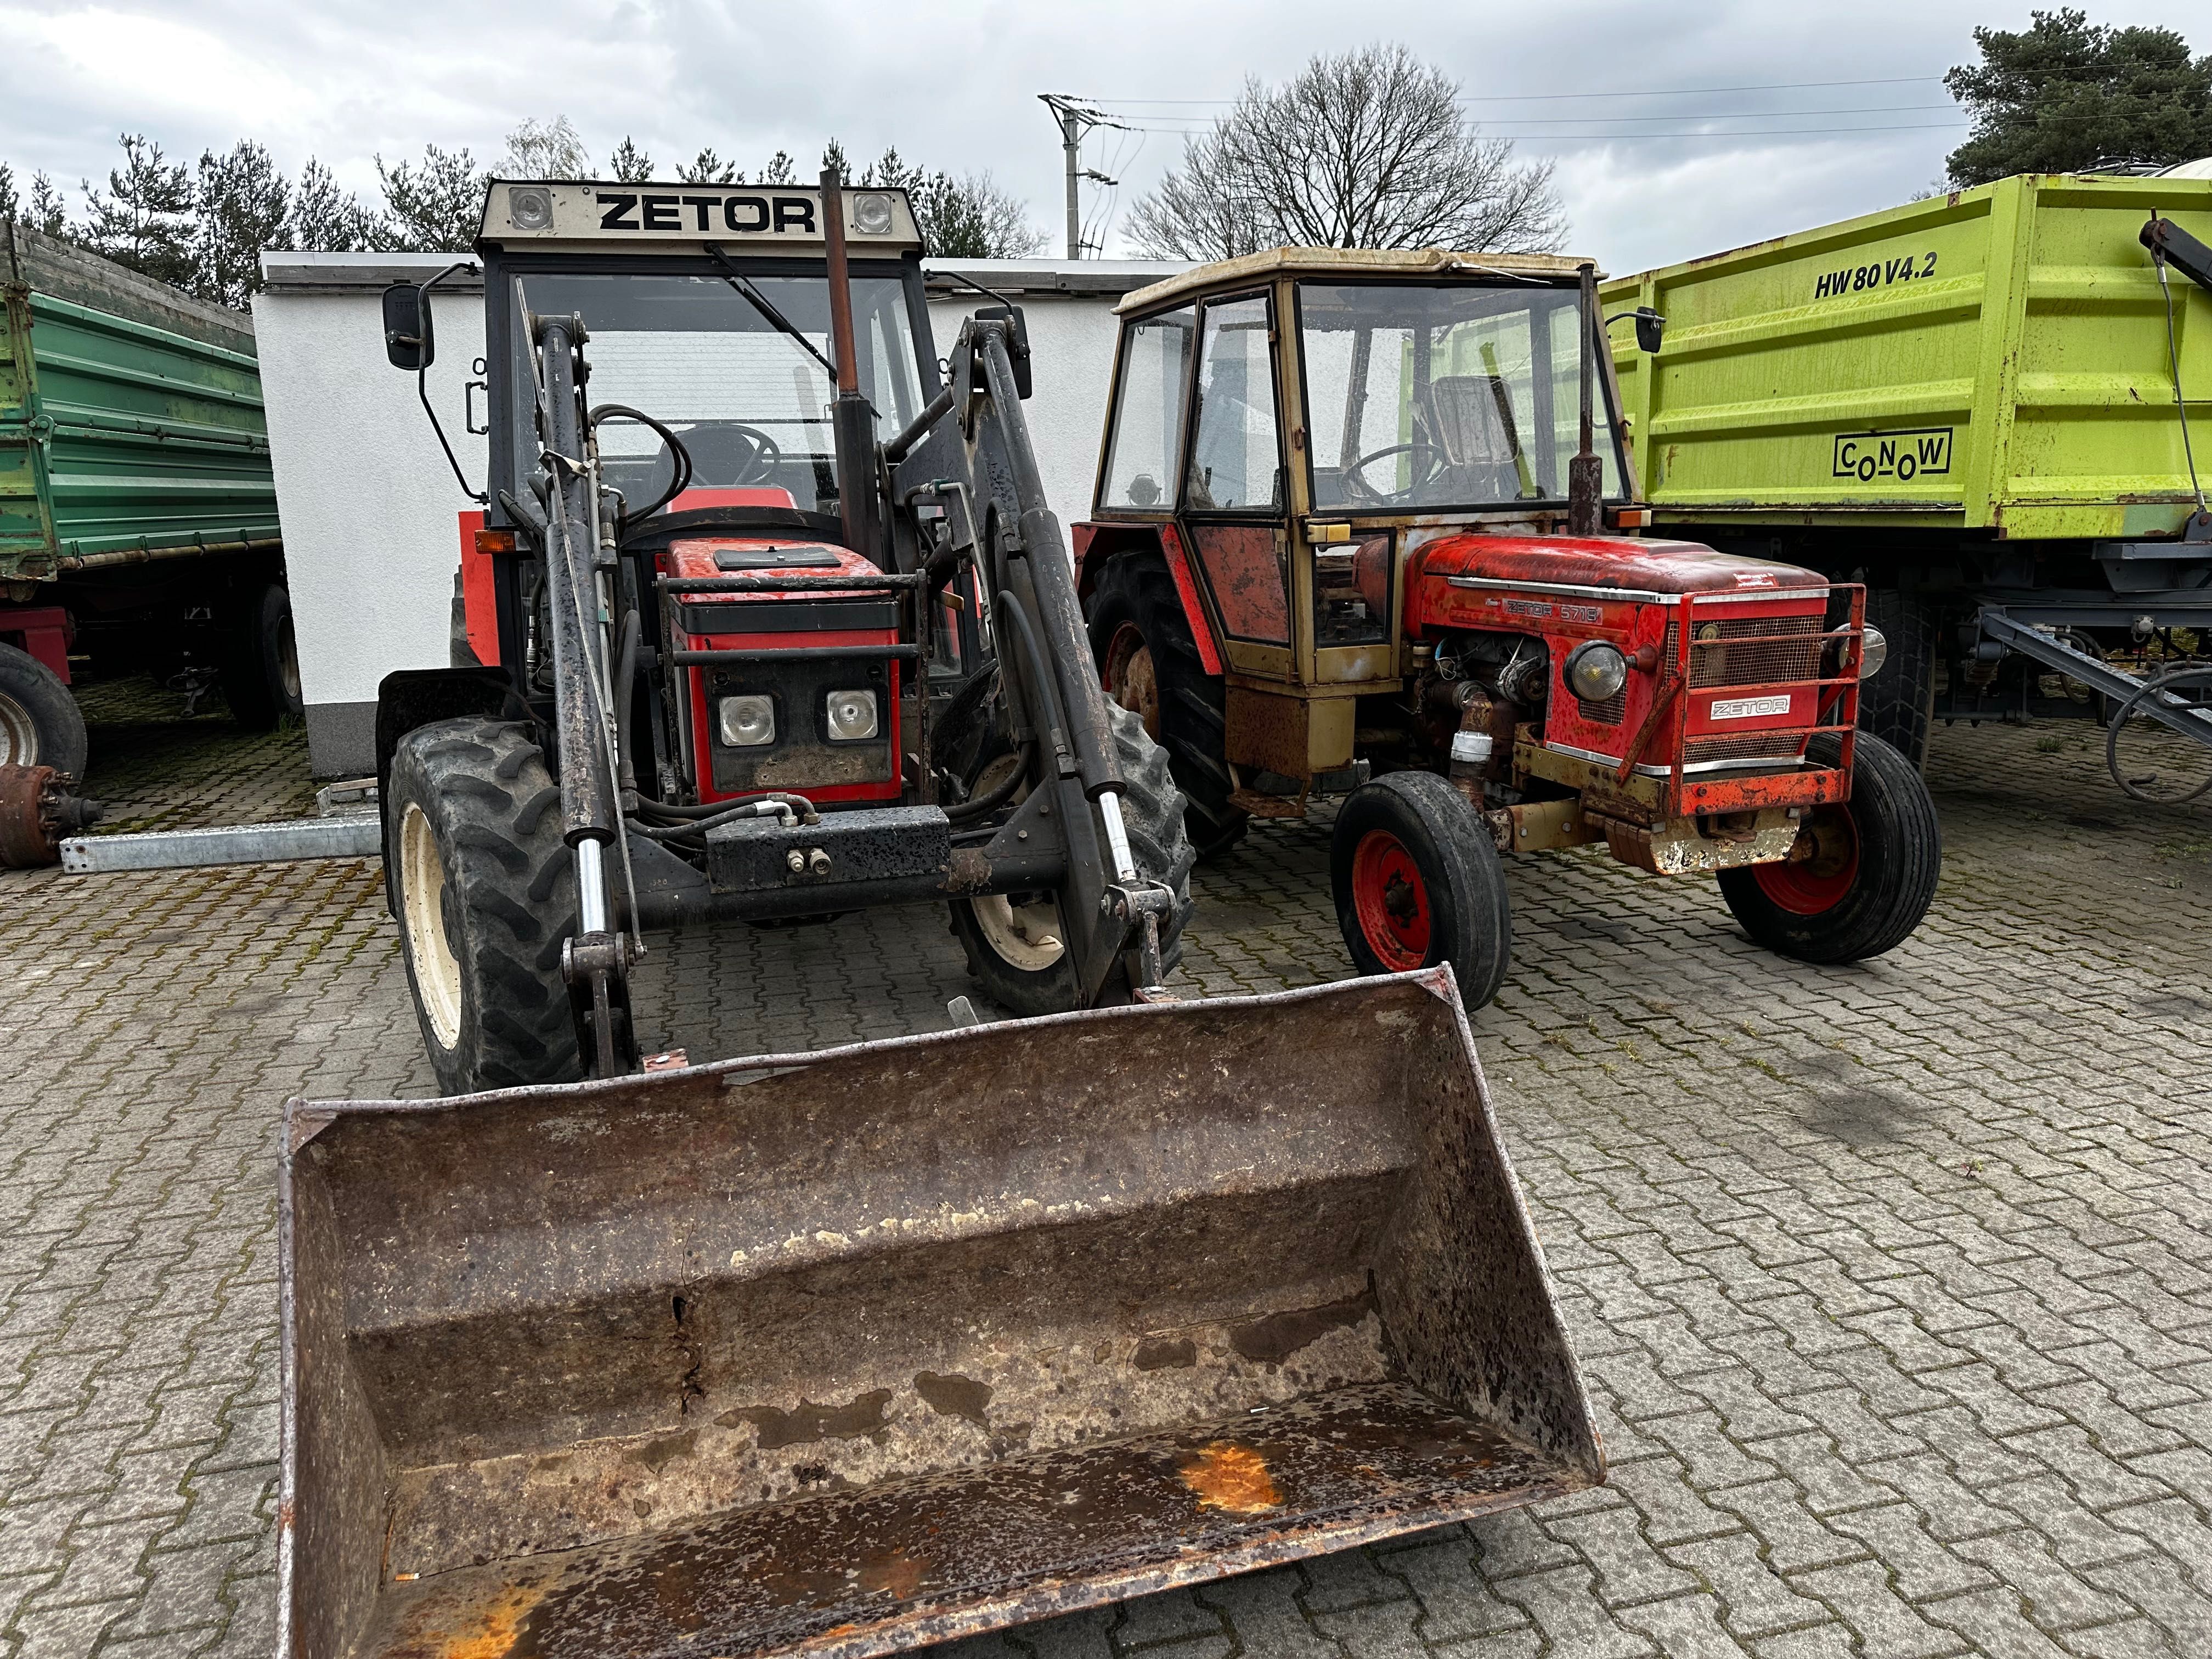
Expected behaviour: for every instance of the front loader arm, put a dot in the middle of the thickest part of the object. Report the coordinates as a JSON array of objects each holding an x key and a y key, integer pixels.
[
  {"x": 976, "y": 447},
  {"x": 595, "y": 962}
]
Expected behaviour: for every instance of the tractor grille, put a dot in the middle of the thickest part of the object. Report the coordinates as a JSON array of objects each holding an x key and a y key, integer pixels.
[
  {"x": 1716, "y": 660},
  {"x": 1611, "y": 711},
  {"x": 1742, "y": 747}
]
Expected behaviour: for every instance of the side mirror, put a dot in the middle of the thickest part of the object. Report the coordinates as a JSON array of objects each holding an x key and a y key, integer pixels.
[
  {"x": 407, "y": 340},
  {"x": 1650, "y": 329},
  {"x": 1017, "y": 346}
]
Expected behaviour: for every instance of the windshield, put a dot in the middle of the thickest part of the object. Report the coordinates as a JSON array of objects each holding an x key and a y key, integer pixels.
[
  {"x": 1425, "y": 397},
  {"x": 751, "y": 405}
]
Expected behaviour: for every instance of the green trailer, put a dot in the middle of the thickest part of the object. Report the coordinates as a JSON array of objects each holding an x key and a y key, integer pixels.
[
  {"x": 137, "y": 505},
  {"x": 1967, "y": 402}
]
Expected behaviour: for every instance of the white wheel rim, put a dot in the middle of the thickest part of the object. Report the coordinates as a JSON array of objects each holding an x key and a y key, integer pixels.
[
  {"x": 1023, "y": 936},
  {"x": 288, "y": 660},
  {"x": 19, "y": 734},
  {"x": 423, "y": 902}
]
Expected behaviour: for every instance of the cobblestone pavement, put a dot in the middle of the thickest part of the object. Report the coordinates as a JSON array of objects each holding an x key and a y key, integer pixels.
[{"x": 1891, "y": 1283}]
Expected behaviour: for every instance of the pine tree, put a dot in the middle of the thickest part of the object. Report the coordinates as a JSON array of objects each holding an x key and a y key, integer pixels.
[
  {"x": 629, "y": 165},
  {"x": 326, "y": 220},
  {"x": 434, "y": 205},
  {"x": 46, "y": 211},
  {"x": 708, "y": 168},
  {"x": 781, "y": 170},
  {"x": 2064, "y": 95},
  {"x": 144, "y": 221},
  {"x": 245, "y": 207},
  {"x": 833, "y": 155}
]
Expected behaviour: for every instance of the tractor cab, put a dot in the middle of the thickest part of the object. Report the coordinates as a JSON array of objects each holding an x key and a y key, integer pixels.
[
  {"x": 1291, "y": 425},
  {"x": 1365, "y": 526}
]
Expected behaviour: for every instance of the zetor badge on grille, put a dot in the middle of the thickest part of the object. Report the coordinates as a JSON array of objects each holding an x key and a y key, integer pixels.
[{"x": 1364, "y": 527}]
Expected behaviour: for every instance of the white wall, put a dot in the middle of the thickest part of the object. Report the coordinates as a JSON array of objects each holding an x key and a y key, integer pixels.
[
  {"x": 367, "y": 502},
  {"x": 1071, "y": 360},
  {"x": 365, "y": 498}
]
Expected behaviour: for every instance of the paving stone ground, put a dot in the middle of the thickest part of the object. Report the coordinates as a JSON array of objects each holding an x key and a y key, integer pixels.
[{"x": 1893, "y": 1284}]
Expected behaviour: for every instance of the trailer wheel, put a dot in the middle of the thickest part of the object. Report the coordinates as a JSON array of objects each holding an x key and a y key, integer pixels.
[
  {"x": 486, "y": 893},
  {"x": 1871, "y": 872},
  {"x": 1897, "y": 705},
  {"x": 40, "y": 724},
  {"x": 260, "y": 671},
  {"x": 1417, "y": 881},
  {"x": 1149, "y": 663},
  {"x": 1015, "y": 943}
]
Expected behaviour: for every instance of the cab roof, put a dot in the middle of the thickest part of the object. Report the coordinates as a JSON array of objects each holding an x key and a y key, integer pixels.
[
  {"x": 1356, "y": 262},
  {"x": 571, "y": 214}
]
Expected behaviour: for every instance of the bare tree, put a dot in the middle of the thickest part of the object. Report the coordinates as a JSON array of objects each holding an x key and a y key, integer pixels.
[
  {"x": 1367, "y": 150},
  {"x": 545, "y": 149}
]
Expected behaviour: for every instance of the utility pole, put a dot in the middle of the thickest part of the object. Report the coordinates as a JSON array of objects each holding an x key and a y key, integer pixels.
[{"x": 1075, "y": 119}]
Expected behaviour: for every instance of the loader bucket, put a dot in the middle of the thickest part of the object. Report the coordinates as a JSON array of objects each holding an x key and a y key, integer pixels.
[{"x": 850, "y": 1352}]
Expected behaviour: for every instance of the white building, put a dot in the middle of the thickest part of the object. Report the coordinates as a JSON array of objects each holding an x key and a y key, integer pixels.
[{"x": 369, "y": 507}]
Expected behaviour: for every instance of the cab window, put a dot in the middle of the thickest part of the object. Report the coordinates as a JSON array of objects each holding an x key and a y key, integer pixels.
[
  {"x": 1235, "y": 466},
  {"x": 1148, "y": 427}
]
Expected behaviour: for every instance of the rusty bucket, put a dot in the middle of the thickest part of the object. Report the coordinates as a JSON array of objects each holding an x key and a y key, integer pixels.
[{"x": 849, "y": 1353}]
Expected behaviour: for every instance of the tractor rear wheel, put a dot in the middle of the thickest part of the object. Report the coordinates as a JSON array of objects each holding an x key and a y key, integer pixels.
[
  {"x": 40, "y": 724},
  {"x": 1871, "y": 872},
  {"x": 260, "y": 671},
  {"x": 1149, "y": 662},
  {"x": 1897, "y": 705},
  {"x": 485, "y": 894},
  {"x": 1015, "y": 942},
  {"x": 1417, "y": 881}
]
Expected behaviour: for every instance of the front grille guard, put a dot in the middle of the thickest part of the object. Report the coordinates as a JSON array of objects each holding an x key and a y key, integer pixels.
[{"x": 1686, "y": 685}]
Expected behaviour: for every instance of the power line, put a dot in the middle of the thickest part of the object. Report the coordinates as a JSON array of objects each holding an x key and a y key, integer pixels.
[
  {"x": 1679, "y": 115},
  {"x": 1641, "y": 137},
  {"x": 1549, "y": 97}
]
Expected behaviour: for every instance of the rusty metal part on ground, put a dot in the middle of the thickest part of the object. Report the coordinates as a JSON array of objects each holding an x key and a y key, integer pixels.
[
  {"x": 858, "y": 1351},
  {"x": 37, "y": 808}
]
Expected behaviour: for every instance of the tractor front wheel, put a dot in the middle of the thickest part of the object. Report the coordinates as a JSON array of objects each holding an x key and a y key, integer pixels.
[
  {"x": 1417, "y": 881},
  {"x": 485, "y": 892},
  {"x": 1015, "y": 943},
  {"x": 1864, "y": 871}
]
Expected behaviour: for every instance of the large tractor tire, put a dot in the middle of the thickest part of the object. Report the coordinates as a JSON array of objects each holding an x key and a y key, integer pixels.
[
  {"x": 40, "y": 724},
  {"x": 1015, "y": 942},
  {"x": 1419, "y": 881},
  {"x": 1897, "y": 704},
  {"x": 260, "y": 671},
  {"x": 1142, "y": 643},
  {"x": 486, "y": 892},
  {"x": 1873, "y": 871}
]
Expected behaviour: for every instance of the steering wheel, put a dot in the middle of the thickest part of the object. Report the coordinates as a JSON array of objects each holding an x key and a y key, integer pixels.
[
  {"x": 1426, "y": 460},
  {"x": 729, "y": 454}
]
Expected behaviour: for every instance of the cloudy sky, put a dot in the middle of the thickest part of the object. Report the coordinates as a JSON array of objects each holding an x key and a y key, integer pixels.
[{"x": 1677, "y": 130}]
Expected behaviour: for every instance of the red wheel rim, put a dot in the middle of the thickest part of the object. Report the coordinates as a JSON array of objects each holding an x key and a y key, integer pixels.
[
  {"x": 1813, "y": 886},
  {"x": 1391, "y": 900}
]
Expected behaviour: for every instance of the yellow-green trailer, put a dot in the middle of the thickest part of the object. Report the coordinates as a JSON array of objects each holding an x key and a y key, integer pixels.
[{"x": 1967, "y": 402}]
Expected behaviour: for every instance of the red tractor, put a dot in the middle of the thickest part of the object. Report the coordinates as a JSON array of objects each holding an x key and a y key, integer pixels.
[{"x": 1364, "y": 527}]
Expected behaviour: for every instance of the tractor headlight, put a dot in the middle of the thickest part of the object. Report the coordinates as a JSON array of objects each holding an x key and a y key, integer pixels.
[
  {"x": 748, "y": 722},
  {"x": 1873, "y": 651},
  {"x": 872, "y": 214},
  {"x": 530, "y": 207},
  {"x": 1596, "y": 671},
  {"x": 852, "y": 716}
]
